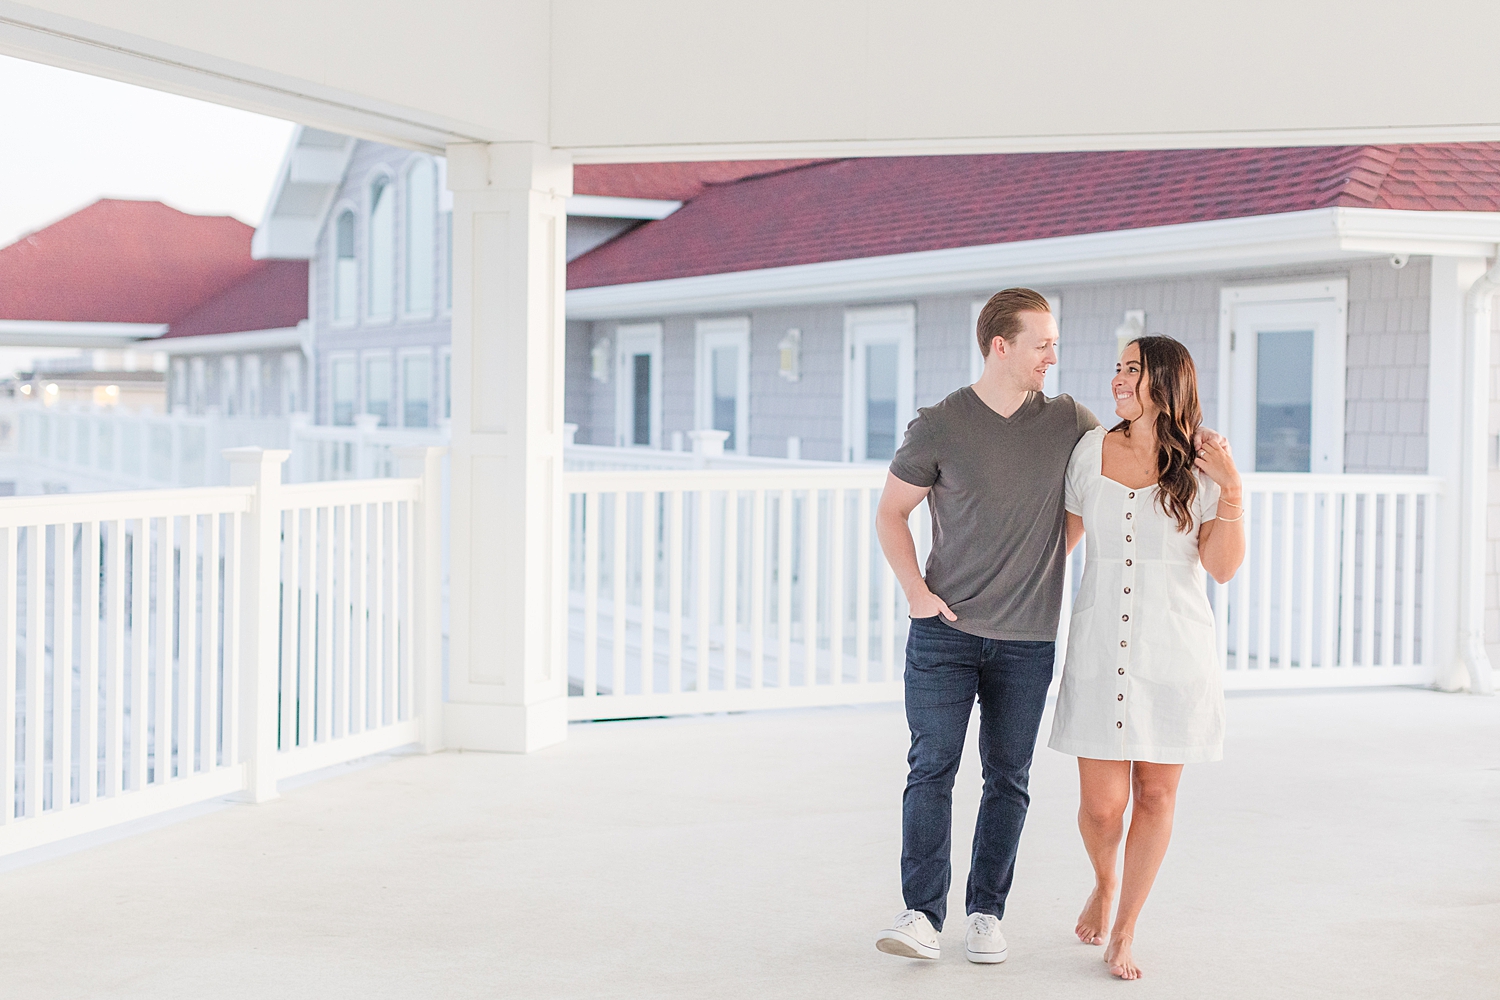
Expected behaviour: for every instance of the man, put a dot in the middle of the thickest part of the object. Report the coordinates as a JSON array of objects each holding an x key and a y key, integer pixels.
[{"x": 990, "y": 460}]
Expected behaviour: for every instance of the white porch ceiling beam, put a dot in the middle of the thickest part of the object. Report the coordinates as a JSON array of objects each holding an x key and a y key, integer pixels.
[{"x": 676, "y": 79}]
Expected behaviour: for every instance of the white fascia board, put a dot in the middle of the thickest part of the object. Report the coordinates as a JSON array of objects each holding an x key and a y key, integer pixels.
[
  {"x": 1315, "y": 236},
  {"x": 601, "y": 207},
  {"x": 46, "y": 333},
  {"x": 228, "y": 343}
]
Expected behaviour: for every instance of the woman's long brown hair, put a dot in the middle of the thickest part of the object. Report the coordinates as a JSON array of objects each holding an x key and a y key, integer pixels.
[{"x": 1173, "y": 382}]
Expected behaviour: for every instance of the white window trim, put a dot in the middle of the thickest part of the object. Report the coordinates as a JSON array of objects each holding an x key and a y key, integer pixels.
[
  {"x": 330, "y": 360},
  {"x": 445, "y": 243},
  {"x": 287, "y": 383},
  {"x": 624, "y": 386},
  {"x": 976, "y": 360},
  {"x": 712, "y": 334},
  {"x": 400, "y": 380},
  {"x": 437, "y": 289},
  {"x": 854, "y": 418},
  {"x": 333, "y": 272},
  {"x": 1329, "y": 365},
  {"x": 365, "y": 357},
  {"x": 368, "y": 259}
]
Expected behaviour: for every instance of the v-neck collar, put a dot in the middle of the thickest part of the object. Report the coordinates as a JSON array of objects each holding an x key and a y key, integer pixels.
[{"x": 1023, "y": 409}]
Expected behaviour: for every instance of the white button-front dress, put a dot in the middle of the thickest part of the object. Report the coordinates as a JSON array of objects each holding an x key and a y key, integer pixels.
[{"x": 1141, "y": 680}]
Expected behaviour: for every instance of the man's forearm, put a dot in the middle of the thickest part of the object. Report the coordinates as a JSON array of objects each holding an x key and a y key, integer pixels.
[{"x": 900, "y": 552}]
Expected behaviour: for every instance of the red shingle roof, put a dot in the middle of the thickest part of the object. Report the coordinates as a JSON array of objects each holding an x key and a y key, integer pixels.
[
  {"x": 141, "y": 262},
  {"x": 845, "y": 209}
]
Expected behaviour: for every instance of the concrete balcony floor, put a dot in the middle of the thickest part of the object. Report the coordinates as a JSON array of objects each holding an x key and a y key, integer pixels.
[{"x": 1348, "y": 847}]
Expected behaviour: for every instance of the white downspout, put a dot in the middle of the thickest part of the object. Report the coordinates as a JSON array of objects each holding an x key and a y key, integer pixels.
[{"x": 1474, "y": 502}]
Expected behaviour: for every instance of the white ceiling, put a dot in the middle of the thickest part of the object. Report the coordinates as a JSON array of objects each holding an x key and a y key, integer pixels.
[{"x": 684, "y": 79}]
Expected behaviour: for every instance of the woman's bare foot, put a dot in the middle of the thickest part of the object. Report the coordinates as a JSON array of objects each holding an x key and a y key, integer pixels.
[
  {"x": 1095, "y": 916},
  {"x": 1117, "y": 955}
]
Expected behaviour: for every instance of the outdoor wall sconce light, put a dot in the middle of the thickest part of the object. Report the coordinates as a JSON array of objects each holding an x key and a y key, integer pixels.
[
  {"x": 1133, "y": 326},
  {"x": 790, "y": 349},
  {"x": 600, "y": 359}
]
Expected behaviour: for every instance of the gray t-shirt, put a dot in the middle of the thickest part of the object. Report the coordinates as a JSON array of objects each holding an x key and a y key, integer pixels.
[{"x": 998, "y": 540}]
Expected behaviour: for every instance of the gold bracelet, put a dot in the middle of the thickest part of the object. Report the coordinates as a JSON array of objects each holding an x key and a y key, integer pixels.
[
  {"x": 1231, "y": 520},
  {"x": 1232, "y": 503}
]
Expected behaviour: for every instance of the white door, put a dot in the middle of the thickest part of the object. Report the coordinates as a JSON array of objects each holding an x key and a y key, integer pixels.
[
  {"x": 879, "y": 386},
  {"x": 724, "y": 380},
  {"x": 976, "y": 359},
  {"x": 638, "y": 385},
  {"x": 1284, "y": 390}
]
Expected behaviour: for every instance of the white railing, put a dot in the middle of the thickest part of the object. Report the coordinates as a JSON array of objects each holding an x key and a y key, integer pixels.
[
  {"x": 102, "y": 447},
  {"x": 163, "y": 647},
  {"x": 727, "y": 589},
  {"x": 1337, "y": 585},
  {"x": 322, "y": 452},
  {"x": 699, "y": 591},
  {"x": 92, "y": 448}
]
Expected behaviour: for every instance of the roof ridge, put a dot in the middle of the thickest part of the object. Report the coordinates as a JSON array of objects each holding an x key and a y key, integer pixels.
[
  {"x": 777, "y": 172},
  {"x": 1373, "y": 160}
]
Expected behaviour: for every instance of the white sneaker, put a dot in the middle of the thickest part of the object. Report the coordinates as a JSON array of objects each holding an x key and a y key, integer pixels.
[
  {"x": 983, "y": 943},
  {"x": 910, "y": 936}
]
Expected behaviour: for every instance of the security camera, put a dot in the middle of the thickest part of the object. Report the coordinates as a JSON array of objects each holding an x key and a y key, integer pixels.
[{"x": 1398, "y": 260}]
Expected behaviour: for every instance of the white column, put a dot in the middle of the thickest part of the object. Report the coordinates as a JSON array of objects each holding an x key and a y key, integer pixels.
[
  {"x": 1446, "y": 454},
  {"x": 508, "y": 680}
]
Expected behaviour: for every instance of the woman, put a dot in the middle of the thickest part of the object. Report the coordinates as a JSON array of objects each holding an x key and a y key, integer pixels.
[{"x": 1141, "y": 693}]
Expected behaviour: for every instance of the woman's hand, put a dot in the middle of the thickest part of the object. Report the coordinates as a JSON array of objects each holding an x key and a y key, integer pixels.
[{"x": 1217, "y": 462}]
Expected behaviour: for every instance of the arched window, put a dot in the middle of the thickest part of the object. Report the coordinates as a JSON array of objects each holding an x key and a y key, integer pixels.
[
  {"x": 345, "y": 271},
  {"x": 382, "y": 247},
  {"x": 421, "y": 218}
]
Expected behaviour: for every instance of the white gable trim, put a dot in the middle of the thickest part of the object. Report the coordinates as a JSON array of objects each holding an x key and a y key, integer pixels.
[
  {"x": 45, "y": 333},
  {"x": 1316, "y": 236}
]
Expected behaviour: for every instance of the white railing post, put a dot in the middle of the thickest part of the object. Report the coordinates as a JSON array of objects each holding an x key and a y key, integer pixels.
[
  {"x": 426, "y": 463},
  {"x": 302, "y": 468},
  {"x": 257, "y": 590},
  {"x": 365, "y": 426}
]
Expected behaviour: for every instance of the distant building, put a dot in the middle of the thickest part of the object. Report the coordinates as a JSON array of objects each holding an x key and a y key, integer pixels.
[{"x": 139, "y": 283}]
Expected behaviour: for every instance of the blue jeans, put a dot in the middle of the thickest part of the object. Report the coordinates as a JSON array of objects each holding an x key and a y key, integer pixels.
[{"x": 945, "y": 670}]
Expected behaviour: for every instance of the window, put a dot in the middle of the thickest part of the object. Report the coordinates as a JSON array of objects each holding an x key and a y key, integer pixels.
[
  {"x": 179, "y": 384},
  {"x": 292, "y": 400},
  {"x": 421, "y": 217},
  {"x": 197, "y": 385},
  {"x": 342, "y": 391},
  {"x": 345, "y": 270},
  {"x": 378, "y": 387},
  {"x": 879, "y": 381},
  {"x": 1283, "y": 388},
  {"x": 416, "y": 389},
  {"x": 638, "y": 385},
  {"x": 252, "y": 386},
  {"x": 382, "y": 247},
  {"x": 724, "y": 379},
  {"x": 229, "y": 385},
  {"x": 448, "y": 260}
]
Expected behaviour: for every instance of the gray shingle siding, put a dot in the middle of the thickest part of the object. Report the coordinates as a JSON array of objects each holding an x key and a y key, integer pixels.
[{"x": 1386, "y": 378}]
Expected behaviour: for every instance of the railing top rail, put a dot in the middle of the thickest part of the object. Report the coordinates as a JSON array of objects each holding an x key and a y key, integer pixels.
[
  {"x": 656, "y": 458},
  {"x": 1336, "y": 482},
  {"x": 380, "y": 435},
  {"x": 337, "y": 493},
  {"x": 666, "y": 480},
  {"x": 56, "y": 508}
]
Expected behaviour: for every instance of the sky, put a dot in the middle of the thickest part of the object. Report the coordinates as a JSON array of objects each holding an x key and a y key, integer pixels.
[{"x": 67, "y": 139}]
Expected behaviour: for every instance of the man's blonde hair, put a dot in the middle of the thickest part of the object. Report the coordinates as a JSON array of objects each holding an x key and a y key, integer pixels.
[{"x": 1001, "y": 315}]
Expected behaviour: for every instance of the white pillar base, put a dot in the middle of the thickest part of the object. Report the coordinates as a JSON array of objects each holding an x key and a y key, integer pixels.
[{"x": 505, "y": 728}]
